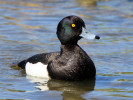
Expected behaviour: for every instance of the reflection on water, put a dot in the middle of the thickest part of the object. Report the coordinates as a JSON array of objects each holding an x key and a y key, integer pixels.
[
  {"x": 70, "y": 90},
  {"x": 28, "y": 27},
  {"x": 88, "y": 3}
]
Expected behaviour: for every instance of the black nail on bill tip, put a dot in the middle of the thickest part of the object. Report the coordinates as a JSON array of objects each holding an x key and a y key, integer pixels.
[{"x": 97, "y": 37}]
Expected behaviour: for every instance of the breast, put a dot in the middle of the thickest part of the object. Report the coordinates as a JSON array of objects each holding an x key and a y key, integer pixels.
[{"x": 37, "y": 69}]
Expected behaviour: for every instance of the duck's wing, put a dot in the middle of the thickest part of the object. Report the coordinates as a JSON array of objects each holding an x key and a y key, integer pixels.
[{"x": 43, "y": 58}]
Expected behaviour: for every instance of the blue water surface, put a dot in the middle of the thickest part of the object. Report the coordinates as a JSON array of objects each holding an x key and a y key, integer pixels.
[{"x": 28, "y": 27}]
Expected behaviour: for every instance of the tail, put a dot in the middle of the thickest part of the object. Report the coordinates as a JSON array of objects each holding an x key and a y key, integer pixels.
[{"x": 22, "y": 64}]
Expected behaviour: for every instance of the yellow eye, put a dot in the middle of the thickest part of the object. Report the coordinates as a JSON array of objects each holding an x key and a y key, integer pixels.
[{"x": 73, "y": 25}]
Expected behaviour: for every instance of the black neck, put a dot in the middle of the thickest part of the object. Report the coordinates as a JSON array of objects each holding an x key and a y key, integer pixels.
[{"x": 68, "y": 48}]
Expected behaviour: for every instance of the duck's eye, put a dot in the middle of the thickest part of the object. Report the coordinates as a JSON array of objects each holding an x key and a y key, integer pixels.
[{"x": 73, "y": 25}]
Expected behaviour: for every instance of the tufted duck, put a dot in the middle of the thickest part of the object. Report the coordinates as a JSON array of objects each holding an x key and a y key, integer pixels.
[{"x": 71, "y": 62}]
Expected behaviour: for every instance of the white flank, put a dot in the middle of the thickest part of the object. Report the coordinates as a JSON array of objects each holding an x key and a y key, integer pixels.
[{"x": 37, "y": 69}]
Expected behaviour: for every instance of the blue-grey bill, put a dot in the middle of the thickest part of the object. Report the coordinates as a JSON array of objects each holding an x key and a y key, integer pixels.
[{"x": 88, "y": 35}]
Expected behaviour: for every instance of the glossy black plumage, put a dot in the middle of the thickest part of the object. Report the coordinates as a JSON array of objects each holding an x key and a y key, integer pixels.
[
  {"x": 44, "y": 58},
  {"x": 72, "y": 62}
]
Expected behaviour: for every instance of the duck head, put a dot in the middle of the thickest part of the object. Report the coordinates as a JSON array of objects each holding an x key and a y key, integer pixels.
[{"x": 71, "y": 29}]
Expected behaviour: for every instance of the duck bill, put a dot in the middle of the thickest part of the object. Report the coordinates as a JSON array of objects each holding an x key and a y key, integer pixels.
[{"x": 88, "y": 35}]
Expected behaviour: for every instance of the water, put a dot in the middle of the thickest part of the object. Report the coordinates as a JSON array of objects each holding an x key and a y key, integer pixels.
[{"x": 28, "y": 27}]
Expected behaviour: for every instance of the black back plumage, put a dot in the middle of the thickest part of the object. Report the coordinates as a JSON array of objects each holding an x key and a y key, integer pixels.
[{"x": 44, "y": 58}]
